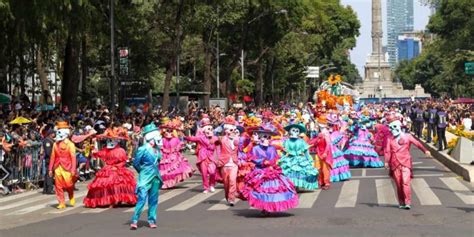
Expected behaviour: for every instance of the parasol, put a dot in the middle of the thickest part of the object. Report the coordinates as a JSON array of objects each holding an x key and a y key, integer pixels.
[
  {"x": 5, "y": 98},
  {"x": 20, "y": 120}
]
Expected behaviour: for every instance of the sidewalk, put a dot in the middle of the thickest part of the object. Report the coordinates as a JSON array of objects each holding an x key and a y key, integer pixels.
[{"x": 466, "y": 171}]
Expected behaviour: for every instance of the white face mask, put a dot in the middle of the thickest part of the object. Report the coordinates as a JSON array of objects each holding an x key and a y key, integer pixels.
[
  {"x": 154, "y": 138},
  {"x": 111, "y": 143},
  {"x": 208, "y": 131},
  {"x": 62, "y": 134},
  {"x": 294, "y": 132},
  {"x": 395, "y": 128}
]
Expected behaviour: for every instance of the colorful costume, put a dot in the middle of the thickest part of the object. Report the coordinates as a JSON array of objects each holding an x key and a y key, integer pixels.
[
  {"x": 340, "y": 168},
  {"x": 63, "y": 165},
  {"x": 266, "y": 188},
  {"x": 360, "y": 152},
  {"x": 399, "y": 160},
  {"x": 114, "y": 183},
  {"x": 174, "y": 168},
  {"x": 296, "y": 162},
  {"x": 381, "y": 135},
  {"x": 324, "y": 153},
  {"x": 205, "y": 151},
  {"x": 149, "y": 180},
  {"x": 227, "y": 162}
]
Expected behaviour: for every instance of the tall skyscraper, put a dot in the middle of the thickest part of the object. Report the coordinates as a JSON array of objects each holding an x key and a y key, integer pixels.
[{"x": 399, "y": 20}]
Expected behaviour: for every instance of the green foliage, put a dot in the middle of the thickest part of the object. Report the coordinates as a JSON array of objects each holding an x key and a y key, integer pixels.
[{"x": 279, "y": 38}]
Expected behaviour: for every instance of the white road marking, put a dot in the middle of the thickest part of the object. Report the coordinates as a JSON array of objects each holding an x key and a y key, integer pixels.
[
  {"x": 27, "y": 201},
  {"x": 458, "y": 188},
  {"x": 385, "y": 192},
  {"x": 424, "y": 192},
  {"x": 17, "y": 196},
  {"x": 307, "y": 199},
  {"x": 348, "y": 195},
  {"x": 195, "y": 200},
  {"x": 222, "y": 205},
  {"x": 168, "y": 195}
]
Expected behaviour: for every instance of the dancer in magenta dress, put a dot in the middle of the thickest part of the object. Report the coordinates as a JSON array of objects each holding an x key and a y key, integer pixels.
[
  {"x": 174, "y": 167},
  {"x": 361, "y": 152},
  {"x": 266, "y": 188},
  {"x": 340, "y": 168}
]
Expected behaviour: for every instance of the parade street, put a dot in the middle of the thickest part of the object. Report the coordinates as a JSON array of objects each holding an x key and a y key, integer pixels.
[{"x": 363, "y": 206}]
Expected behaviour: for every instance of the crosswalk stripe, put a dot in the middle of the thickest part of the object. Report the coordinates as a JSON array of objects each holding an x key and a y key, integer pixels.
[
  {"x": 24, "y": 202},
  {"x": 193, "y": 201},
  {"x": 424, "y": 192},
  {"x": 78, "y": 198},
  {"x": 458, "y": 189},
  {"x": 385, "y": 193},
  {"x": 17, "y": 196},
  {"x": 348, "y": 196},
  {"x": 32, "y": 208},
  {"x": 306, "y": 200},
  {"x": 168, "y": 195},
  {"x": 222, "y": 205}
]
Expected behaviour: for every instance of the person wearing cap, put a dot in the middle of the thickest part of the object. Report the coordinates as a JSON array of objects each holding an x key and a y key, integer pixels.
[
  {"x": 265, "y": 187},
  {"x": 63, "y": 165},
  {"x": 398, "y": 159},
  {"x": 228, "y": 159},
  {"x": 149, "y": 179},
  {"x": 296, "y": 161},
  {"x": 206, "y": 148}
]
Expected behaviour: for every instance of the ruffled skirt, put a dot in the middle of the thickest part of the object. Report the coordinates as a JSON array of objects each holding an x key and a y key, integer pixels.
[
  {"x": 362, "y": 155},
  {"x": 340, "y": 167},
  {"x": 174, "y": 168},
  {"x": 111, "y": 187},
  {"x": 267, "y": 189},
  {"x": 301, "y": 171}
]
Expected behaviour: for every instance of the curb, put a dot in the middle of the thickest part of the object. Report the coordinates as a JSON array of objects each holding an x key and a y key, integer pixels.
[{"x": 463, "y": 170}]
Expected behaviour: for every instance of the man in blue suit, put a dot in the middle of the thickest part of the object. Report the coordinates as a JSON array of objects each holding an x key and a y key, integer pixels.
[{"x": 149, "y": 179}]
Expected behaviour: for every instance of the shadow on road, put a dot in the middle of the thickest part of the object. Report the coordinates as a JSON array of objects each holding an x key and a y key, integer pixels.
[{"x": 252, "y": 213}]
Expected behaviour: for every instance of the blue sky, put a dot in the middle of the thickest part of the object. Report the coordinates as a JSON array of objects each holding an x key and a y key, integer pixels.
[{"x": 363, "y": 8}]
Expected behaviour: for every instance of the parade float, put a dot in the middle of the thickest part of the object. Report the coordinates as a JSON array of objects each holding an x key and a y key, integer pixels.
[{"x": 335, "y": 94}]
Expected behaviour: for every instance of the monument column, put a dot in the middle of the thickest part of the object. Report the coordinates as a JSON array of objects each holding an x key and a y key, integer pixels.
[{"x": 376, "y": 28}]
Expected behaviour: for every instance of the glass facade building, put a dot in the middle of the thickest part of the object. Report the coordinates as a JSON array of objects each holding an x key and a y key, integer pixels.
[{"x": 399, "y": 20}]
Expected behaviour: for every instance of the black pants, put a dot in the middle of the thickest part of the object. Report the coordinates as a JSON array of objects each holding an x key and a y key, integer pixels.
[
  {"x": 48, "y": 182},
  {"x": 418, "y": 128},
  {"x": 442, "y": 139},
  {"x": 431, "y": 131}
]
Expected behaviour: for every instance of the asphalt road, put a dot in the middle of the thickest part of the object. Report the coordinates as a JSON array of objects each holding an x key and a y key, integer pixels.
[{"x": 366, "y": 205}]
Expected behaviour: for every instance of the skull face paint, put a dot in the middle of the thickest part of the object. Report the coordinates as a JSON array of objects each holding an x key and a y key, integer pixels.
[
  {"x": 154, "y": 138},
  {"x": 111, "y": 143},
  {"x": 395, "y": 128},
  {"x": 264, "y": 139},
  {"x": 294, "y": 132},
  {"x": 167, "y": 133},
  {"x": 62, "y": 134},
  {"x": 229, "y": 130},
  {"x": 207, "y": 131}
]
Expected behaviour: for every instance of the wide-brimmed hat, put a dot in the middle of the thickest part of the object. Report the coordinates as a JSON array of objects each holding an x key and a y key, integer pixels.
[
  {"x": 230, "y": 120},
  {"x": 300, "y": 126},
  {"x": 205, "y": 122},
  {"x": 392, "y": 118},
  {"x": 62, "y": 125},
  {"x": 322, "y": 120},
  {"x": 115, "y": 134},
  {"x": 267, "y": 129},
  {"x": 149, "y": 128}
]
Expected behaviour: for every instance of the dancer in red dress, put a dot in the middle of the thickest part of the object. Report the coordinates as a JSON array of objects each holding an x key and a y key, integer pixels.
[{"x": 113, "y": 184}]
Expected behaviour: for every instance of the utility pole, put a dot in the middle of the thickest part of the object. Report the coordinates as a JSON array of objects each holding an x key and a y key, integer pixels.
[
  {"x": 242, "y": 63},
  {"x": 112, "y": 59}
]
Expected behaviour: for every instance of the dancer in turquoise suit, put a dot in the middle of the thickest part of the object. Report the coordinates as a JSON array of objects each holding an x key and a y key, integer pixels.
[{"x": 149, "y": 179}]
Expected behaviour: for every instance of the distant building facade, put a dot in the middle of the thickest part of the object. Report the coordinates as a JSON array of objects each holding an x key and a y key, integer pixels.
[{"x": 399, "y": 20}]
